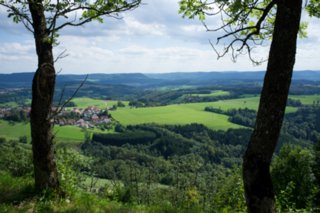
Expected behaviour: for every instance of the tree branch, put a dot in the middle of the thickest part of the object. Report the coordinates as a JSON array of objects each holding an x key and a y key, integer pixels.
[
  {"x": 251, "y": 31},
  {"x": 61, "y": 106},
  {"x": 89, "y": 19}
]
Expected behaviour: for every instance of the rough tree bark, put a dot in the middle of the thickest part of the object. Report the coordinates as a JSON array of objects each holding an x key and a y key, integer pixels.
[
  {"x": 257, "y": 180},
  {"x": 45, "y": 170}
]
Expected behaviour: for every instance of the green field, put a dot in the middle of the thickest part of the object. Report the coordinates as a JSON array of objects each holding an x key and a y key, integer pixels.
[
  {"x": 172, "y": 114},
  {"x": 102, "y": 104},
  {"x": 187, "y": 113},
  {"x": 214, "y": 93},
  {"x": 62, "y": 133},
  {"x": 307, "y": 99},
  {"x": 9, "y": 104}
]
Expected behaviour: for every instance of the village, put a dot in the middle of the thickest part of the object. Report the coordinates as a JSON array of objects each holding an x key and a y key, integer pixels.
[{"x": 89, "y": 117}]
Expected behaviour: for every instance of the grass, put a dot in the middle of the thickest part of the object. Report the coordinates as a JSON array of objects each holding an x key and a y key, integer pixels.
[
  {"x": 9, "y": 104},
  {"x": 17, "y": 195},
  {"x": 247, "y": 102},
  {"x": 15, "y": 189},
  {"x": 214, "y": 93},
  {"x": 306, "y": 99},
  {"x": 172, "y": 114},
  {"x": 187, "y": 113},
  {"x": 102, "y": 104},
  {"x": 63, "y": 133}
]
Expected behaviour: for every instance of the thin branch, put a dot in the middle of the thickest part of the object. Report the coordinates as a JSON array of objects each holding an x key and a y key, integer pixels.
[
  {"x": 99, "y": 14},
  {"x": 251, "y": 31},
  {"x": 61, "y": 55},
  {"x": 61, "y": 107},
  {"x": 17, "y": 12}
]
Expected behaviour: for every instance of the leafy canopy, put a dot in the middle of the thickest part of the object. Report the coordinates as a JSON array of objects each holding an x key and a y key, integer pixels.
[
  {"x": 246, "y": 23},
  {"x": 62, "y": 13}
]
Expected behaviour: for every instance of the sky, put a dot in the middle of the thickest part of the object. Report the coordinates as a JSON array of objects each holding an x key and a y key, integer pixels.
[{"x": 154, "y": 38}]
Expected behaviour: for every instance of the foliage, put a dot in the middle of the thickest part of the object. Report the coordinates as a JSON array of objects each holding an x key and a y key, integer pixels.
[
  {"x": 316, "y": 172},
  {"x": 137, "y": 137},
  {"x": 15, "y": 189},
  {"x": 293, "y": 178},
  {"x": 16, "y": 115},
  {"x": 196, "y": 171},
  {"x": 61, "y": 14},
  {"x": 70, "y": 163},
  {"x": 16, "y": 159}
]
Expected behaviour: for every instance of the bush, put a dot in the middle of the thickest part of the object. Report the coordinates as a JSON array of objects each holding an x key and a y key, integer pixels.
[
  {"x": 130, "y": 137},
  {"x": 16, "y": 159}
]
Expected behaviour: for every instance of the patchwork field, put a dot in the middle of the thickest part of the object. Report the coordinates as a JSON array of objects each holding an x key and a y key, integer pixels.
[
  {"x": 102, "y": 104},
  {"x": 62, "y": 134},
  {"x": 187, "y": 113},
  {"x": 171, "y": 114},
  {"x": 214, "y": 93},
  {"x": 307, "y": 99},
  {"x": 9, "y": 104}
]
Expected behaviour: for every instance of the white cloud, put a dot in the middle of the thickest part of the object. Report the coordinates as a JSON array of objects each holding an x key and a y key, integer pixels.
[{"x": 152, "y": 38}]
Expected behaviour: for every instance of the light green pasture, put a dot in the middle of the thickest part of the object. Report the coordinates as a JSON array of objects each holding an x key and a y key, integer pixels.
[
  {"x": 62, "y": 133},
  {"x": 187, "y": 113},
  {"x": 214, "y": 93},
  {"x": 307, "y": 99},
  {"x": 102, "y": 104},
  {"x": 172, "y": 114}
]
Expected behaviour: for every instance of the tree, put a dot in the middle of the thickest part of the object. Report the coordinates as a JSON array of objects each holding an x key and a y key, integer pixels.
[
  {"x": 294, "y": 181},
  {"x": 44, "y": 19},
  {"x": 316, "y": 172},
  {"x": 247, "y": 23}
]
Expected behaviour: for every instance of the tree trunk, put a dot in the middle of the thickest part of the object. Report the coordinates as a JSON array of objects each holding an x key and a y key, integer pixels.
[
  {"x": 256, "y": 163},
  {"x": 45, "y": 170}
]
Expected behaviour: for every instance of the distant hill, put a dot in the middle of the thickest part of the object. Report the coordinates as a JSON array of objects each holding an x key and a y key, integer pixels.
[
  {"x": 149, "y": 80},
  {"x": 230, "y": 75}
]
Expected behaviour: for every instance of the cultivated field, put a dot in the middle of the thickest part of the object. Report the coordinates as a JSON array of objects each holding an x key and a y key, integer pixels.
[
  {"x": 171, "y": 114},
  {"x": 307, "y": 99},
  {"x": 102, "y": 104},
  {"x": 214, "y": 93},
  {"x": 187, "y": 113},
  {"x": 62, "y": 134}
]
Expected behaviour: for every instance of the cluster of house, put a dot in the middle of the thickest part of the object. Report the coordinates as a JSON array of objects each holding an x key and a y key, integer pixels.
[
  {"x": 85, "y": 118},
  {"x": 7, "y": 111}
]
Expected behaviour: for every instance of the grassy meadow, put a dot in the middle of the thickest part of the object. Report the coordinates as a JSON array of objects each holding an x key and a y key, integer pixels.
[
  {"x": 102, "y": 104},
  {"x": 170, "y": 114},
  {"x": 214, "y": 93},
  {"x": 9, "y": 104},
  {"x": 307, "y": 99},
  {"x": 62, "y": 133},
  {"x": 187, "y": 113}
]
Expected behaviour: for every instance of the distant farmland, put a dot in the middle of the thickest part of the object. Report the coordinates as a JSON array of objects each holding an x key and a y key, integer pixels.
[
  {"x": 215, "y": 93},
  {"x": 171, "y": 114},
  {"x": 307, "y": 99},
  {"x": 102, "y": 104},
  {"x": 187, "y": 113},
  {"x": 62, "y": 133}
]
